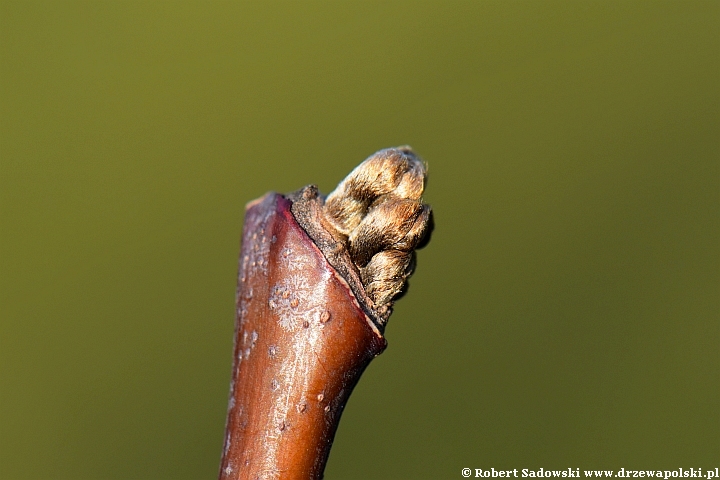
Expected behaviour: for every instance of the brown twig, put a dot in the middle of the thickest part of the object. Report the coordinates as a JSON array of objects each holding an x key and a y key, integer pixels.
[{"x": 317, "y": 280}]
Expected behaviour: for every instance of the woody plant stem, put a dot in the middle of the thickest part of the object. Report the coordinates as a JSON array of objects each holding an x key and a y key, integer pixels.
[{"x": 317, "y": 281}]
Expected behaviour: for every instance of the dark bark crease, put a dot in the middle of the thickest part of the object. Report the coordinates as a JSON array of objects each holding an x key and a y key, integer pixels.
[{"x": 307, "y": 208}]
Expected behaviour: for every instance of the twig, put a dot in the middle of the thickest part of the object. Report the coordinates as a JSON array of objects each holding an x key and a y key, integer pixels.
[{"x": 317, "y": 281}]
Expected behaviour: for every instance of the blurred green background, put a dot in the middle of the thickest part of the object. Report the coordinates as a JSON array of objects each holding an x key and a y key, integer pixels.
[{"x": 566, "y": 313}]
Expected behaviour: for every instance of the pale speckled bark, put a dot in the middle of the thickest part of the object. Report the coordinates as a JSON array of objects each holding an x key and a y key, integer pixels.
[{"x": 301, "y": 343}]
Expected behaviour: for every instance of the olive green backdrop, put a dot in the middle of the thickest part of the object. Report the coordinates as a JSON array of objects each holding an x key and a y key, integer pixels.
[{"x": 565, "y": 314}]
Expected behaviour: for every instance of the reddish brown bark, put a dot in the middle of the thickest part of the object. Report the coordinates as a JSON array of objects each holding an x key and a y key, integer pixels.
[{"x": 301, "y": 343}]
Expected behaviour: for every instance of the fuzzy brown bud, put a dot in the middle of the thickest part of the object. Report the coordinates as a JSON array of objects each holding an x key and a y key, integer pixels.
[{"x": 379, "y": 207}]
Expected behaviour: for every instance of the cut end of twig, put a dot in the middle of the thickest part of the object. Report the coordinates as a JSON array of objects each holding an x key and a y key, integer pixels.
[{"x": 371, "y": 225}]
